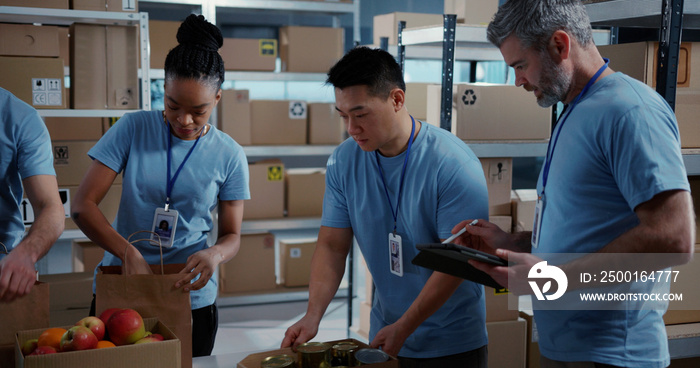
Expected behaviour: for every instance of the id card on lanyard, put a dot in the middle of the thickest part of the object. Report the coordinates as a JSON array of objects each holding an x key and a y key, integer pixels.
[
  {"x": 395, "y": 244},
  {"x": 541, "y": 199}
]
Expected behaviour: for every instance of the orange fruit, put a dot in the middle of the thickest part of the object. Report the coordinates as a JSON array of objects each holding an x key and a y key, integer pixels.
[
  {"x": 51, "y": 337},
  {"x": 105, "y": 344}
]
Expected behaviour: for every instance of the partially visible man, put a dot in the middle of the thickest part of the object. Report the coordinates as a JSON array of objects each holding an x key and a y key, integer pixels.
[
  {"x": 613, "y": 181},
  {"x": 26, "y": 165}
]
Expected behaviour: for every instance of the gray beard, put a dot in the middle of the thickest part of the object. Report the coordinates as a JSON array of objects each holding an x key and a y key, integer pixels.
[{"x": 554, "y": 83}]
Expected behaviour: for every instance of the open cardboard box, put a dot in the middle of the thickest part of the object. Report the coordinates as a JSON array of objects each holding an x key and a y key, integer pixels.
[
  {"x": 254, "y": 360},
  {"x": 162, "y": 354}
]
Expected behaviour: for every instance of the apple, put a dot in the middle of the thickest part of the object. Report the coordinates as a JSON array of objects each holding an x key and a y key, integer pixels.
[
  {"x": 104, "y": 316},
  {"x": 29, "y": 346},
  {"x": 43, "y": 350},
  {"x": 125, "y": 327},
  {"x": 78, "y": 338},
  {"x": 95, "y": 325},
  {"x": 150, "y": 338}
]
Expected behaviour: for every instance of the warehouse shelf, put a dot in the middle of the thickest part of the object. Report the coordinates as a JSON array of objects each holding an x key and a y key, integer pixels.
[
  {"x": 321, "y": 7},
  {"x": 259, "y": 76},
  {"x": 691, "y": 159},
  {"x": 638, "y": 13},
  {"x": 683, "y": 340},
  {"x": 73, "y": 113},
  {"x": 288, "y": 223},
  {"x": 271, "y": 296}
]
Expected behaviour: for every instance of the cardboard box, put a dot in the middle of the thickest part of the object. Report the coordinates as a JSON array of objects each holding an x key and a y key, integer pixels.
[
  {"x": 159, "y": 354},
  {"x": 54, "y": 4},
  {"x": 499, "y": 181},
  {"x": 492, "y": 112},
  {"x": 28, "y": 40},
  {"x": 417, "y": 100},
  {"x": 234, "y": 115},
  {"x": 278, "y": 122},
  {"x": 325, "y": 125},
  {"x": 104, "y": 67},
  {"x": 687, "y": 112},
  {"x": 507, "y": 343},
  {"x": 387, "y": 25},
  {"x": 254, "y": 360},
  {"x": 266, "y": 190},
  {"x": 497, "y": 305},
  {"x": 310, "y": 49},
  {"x": 477, "y": 12},
  {"x": 86, "y": 255},
  {"x": 256, "y": 54},
  {"x": 129, "y": 6},
  {"x": 523, "y": 203},
  {"x": 304, "y": 192},
  {"x": 71, "y": 161},
  {"x": 686, "y": 283},
  {"x": 253, "y": 268},
  {"x": 36, "y": 81},
  {"x": 163, "y": 38},
  {"x": 295, "y": 261},
  {"x": 639, "y": 61},
  {"x": 74, "y": 129},
  {"x": 533, "y": 346},
  {"x": 505, "y": 223}
]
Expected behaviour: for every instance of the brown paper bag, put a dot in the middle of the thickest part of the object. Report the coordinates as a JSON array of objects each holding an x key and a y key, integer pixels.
[
  {"x": 26, "y": 313},
  {"x": 152, "y": 296}
]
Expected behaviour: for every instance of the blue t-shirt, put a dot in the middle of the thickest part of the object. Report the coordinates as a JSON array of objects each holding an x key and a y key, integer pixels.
[
  {"x": 444, "y": 184},
  {"x": 25, "y": 150},
  {"x": 217, "y": 169},
  {"x": 618, "y": 149}
]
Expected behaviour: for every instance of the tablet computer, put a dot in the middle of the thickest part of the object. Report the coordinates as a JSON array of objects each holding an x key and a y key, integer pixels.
[{"x": 453, "y": 259}]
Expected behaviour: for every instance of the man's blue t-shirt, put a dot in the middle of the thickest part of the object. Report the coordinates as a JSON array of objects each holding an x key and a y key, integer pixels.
[
  {"x": 619, "y": 148},
  {"x": 217, "y": 169},
  {"x": 444, "y": 184},
  {"x": 25, "y": 150}
]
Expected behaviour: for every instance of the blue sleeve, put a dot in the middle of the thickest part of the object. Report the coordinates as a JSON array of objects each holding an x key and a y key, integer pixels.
[
  {"x": 113, "y": 148},
  {"x": 236, "y": 185},
  {"x": 462, "y": 195},
  {"x": 335, "y": 209},
  {"x": 34, "y": 155},
  {"x": 646, "y": 158}
]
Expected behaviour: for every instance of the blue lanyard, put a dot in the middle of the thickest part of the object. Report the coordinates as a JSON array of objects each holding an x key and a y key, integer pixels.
[
  {"x": 553, "y": 144},
  {"x": 171, "y": 182},
  {"x": 403, "y": 173}
]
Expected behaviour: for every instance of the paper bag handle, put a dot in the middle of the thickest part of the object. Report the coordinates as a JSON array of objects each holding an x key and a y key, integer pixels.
[
  {"x": 4, "y": 249},
  {"x": 160, "y": 247}
]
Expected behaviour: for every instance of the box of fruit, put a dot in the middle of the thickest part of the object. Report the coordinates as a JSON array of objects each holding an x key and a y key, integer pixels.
[{"x": 126, "y": 340}]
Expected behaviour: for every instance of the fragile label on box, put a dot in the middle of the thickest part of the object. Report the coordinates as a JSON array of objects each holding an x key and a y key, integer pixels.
[
  {"x": 275, "y": 173},
  {"x": 268, "y": 47},
  {"x": 47, "y": 92},
  {"x": 128, "y": 5},
  {"x": 60, "y": 155}
]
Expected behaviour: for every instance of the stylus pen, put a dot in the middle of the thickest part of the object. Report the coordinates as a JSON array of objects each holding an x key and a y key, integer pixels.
[{"x": 455, "y": 236}]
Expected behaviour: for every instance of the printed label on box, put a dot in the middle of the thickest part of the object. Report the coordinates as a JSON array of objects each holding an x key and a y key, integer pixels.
[
  {"x": 268, "y": 47},
  {"x": 60, "y": 155},
  {"x": 295, "y": 253},
  {"x": 128, "y": 5},
  {"x": 297, "y": 110},
  {"x": 47, "y": 92},
  {"x": 274, "y": 173}
]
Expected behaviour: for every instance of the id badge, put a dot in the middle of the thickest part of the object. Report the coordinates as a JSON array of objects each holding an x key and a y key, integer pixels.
[
  {"x": 395, "y": 256},
  {"x": 164, "y": 224},
  {"x": 539, "y": 206}
]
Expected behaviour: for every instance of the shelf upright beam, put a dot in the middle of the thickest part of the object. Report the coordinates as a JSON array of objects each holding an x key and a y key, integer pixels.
[
  {"x": 401, "y": 48},
  {"x": 448, "y": 63},
  {"x": 145, "y": 62},
  {"x": 669, "y": 48},
  {"x": 384, "y": 43}
]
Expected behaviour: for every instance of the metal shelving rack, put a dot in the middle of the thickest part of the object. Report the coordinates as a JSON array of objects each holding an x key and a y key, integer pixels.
[
  {"x": 670, "y": 16},
  {"x": 65, "y": 17}
]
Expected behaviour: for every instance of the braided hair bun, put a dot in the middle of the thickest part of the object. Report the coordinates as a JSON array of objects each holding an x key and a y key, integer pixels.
[{"x": 197, "y": 56}]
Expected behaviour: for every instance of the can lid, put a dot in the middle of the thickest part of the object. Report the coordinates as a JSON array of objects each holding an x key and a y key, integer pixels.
[
  {"x": 369, "y": 356},
  {"x": 277, "y": 361},
  {"x": 313, "y": 347},
  {"x": 345, "y": 346}
]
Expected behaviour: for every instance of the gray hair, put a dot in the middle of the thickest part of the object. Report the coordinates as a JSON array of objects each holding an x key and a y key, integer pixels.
[{"x": 534, "y": 21}]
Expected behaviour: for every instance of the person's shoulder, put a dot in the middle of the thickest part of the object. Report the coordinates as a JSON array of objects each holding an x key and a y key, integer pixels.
[
  {"x": 444, "y": 141},
  {"x": 224, "y": 143},
  {"x": 629, "y": 94}
]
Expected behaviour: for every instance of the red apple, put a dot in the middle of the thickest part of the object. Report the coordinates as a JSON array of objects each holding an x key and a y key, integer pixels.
[
  {"x": 95, "y": 325},
  {"x": 78, "y": 338},
  {"x": 104, "y": 316},
  {"x": 150, "y": 338},
  {"x": 125, "y": 327},
  {"x": 29, "y": 346},
  {"x": 43, "y": 350}
]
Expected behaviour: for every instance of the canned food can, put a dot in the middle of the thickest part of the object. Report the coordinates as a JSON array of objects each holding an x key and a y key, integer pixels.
[
  {"x": 278, "y": 361},
  {"x": 370, "y": 356},
  {"x": 314, "y": 355},
  {"x": 343, "y": 354}
]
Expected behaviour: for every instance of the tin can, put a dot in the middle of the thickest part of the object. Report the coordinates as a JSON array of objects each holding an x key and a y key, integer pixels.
[
  {"x": 314, "y": 355},
  {"x": 370, "y": 356},
  {"x": 278, "y": 361},
  {"x": 343, "y": 354}
]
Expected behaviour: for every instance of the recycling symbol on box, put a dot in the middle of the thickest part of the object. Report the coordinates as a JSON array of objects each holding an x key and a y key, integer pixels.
[
  {"x": 469, "y": 97},
  {"x": 297, "y": 110}
]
